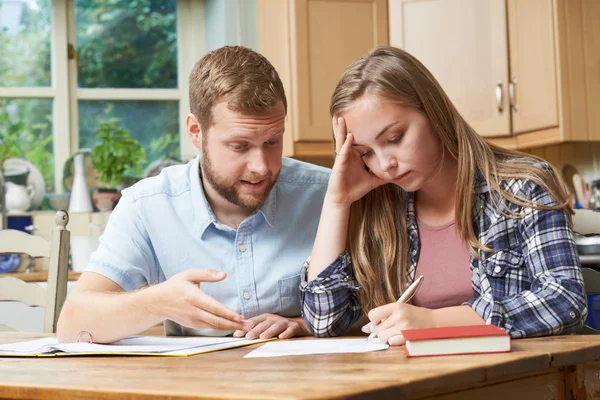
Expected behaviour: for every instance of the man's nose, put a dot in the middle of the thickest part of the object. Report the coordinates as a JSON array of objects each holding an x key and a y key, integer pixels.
[{"x": 258, "y": 163}]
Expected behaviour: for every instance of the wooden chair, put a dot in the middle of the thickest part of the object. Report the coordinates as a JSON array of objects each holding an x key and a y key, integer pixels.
[
  {"x": 57, "y": 251},
  {"x": 586, "y": 222}
]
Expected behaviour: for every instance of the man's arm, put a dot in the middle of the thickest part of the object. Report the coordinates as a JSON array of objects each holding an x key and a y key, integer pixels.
[{"x": 100, "y": 307}]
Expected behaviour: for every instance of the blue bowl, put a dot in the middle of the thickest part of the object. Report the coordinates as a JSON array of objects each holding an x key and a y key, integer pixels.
[{"x": 9, "y": 262}]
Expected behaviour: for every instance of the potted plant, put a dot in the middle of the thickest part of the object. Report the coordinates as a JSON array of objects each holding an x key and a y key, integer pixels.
[{"x": 115, "y": 153}]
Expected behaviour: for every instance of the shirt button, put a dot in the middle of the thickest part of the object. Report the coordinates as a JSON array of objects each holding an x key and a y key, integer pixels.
[
  {"x": 498, "y": 269},
  {"x": 514, "y": 260},
  {"x": 242, "y": 248},
  {"x": 572, "y": 314},
  {"x": 246, "y": 294}
]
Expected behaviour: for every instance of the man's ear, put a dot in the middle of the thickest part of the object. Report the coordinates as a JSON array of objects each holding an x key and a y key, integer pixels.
[{"x": 194, "y": 131}]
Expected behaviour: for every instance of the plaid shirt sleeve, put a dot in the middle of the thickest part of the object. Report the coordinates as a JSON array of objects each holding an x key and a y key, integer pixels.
[
  {"x": 329, "y": 302},
  {"x": 555, "y": 301}
]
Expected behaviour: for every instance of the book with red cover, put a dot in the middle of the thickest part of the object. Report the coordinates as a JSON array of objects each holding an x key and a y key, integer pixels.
[{"x": 455, "y": 340}]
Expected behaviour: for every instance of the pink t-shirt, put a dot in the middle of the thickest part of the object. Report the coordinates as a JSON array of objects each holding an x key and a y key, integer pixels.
[{"x": 444, "y": 262}]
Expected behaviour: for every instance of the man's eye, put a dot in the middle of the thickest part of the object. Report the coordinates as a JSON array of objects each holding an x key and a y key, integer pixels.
[
  {"x": 237, "y": 146},
  {"x": 272, "y": 142}
]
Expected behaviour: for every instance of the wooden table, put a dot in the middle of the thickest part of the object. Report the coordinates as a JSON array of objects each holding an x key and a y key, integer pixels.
[
  {"x": 563, "y": 367},
  {"x": 39, "y": 276}
]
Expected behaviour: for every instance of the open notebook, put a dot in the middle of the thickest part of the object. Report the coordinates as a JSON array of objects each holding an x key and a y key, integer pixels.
[{"x": 132, "y": 346}]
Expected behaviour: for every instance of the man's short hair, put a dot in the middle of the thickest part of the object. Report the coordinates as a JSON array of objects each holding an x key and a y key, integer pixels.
[{"x": 236, "y": 74}]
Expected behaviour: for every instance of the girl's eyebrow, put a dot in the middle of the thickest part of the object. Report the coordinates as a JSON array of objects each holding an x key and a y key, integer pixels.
[{"x": 384, "y": 130}]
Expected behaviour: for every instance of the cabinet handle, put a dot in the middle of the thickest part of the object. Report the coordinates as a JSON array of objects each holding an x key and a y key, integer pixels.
[
  {"x": 511, "y": 94},
  {"x": 499, "y": 97}
]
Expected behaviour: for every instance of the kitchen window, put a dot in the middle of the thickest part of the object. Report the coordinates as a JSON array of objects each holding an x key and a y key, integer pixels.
[{"x": 66, "y": 65}]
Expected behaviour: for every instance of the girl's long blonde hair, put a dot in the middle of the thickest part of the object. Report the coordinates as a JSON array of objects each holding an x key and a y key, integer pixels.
[{"x": 377, "y": 236}]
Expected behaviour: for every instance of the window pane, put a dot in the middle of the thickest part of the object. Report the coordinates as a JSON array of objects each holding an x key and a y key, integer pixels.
[
  {"x": 25, "y": 42},
  {"x": 26, "y": 127},
  {"x": 153, "y": 123},
  {"x": 126, "y": 43}
]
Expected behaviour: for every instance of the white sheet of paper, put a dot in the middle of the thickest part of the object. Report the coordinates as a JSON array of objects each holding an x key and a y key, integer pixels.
[
  {"x": 32, "y": 346},
  {"x": 145, "y": 345},
  {"x": 135, "y": 344},
  {"x": 322, "y": 346}
]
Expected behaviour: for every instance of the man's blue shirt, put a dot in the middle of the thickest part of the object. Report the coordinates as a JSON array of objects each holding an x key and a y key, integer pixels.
[{"x": 164, "y": 225}]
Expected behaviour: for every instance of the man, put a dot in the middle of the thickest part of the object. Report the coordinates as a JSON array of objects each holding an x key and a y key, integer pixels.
[{"x": 220, "y": 241}]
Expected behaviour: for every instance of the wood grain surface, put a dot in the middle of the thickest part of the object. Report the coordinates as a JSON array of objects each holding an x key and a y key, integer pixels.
[{"x": 542, "y": 362}]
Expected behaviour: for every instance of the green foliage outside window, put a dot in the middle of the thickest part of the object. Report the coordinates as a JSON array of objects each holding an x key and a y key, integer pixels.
[
  {"x": 25, "y": 54},
  {"x": 26, "y": 124},
  {"x": 129, "y": 44},
  {"x": 126, "y": 43},
  {"x": 24, "y": 139}
]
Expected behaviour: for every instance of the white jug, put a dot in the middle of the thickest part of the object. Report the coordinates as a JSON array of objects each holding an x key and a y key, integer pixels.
[
  {"x": 18, "y": 197},
  {"x": 80, "y": 200}
]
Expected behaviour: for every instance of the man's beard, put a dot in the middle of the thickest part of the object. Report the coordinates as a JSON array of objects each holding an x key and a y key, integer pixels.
[{"x": 227, "y": 189}]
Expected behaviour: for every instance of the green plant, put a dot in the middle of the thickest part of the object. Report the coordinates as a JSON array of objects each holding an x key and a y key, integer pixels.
[
  {"x": 25, "y": 139},
  {"x": 115, "y": 153}
]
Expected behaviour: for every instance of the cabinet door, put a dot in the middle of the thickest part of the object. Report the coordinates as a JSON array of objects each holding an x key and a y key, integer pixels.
[
  {"x": 464, "y": 44},
  {"x": 532, "y": 65},
  {"x": 326, "y": 36}
]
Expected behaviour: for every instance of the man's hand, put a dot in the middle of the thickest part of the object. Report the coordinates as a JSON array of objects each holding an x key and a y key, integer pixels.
[
  {"x": 270, "y": 325},
  {"x": 181, "y": 300}
]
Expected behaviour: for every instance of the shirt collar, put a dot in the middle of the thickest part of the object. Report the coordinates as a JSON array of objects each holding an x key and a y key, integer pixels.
[
  {"x": 204, "y": 214},
  {"x": 269, "y": 207}
]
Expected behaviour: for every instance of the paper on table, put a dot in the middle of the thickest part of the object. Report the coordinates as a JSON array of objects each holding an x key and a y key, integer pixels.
[
  {"x": 321, "y": 346},
  {"x": 32, "y": 346},
  {"x": 142, "y": 345}
]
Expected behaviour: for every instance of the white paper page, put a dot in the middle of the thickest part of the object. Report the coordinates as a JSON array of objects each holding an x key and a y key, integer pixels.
[
  {"x": 30, "y": 347},
  {"x": 213, "y": 347},
  {"x": 147, "y": 344},
  {"x": 327, "y": 346},
  {"x": 134, "y": 344},
  {"x": 193, "y": 341}
]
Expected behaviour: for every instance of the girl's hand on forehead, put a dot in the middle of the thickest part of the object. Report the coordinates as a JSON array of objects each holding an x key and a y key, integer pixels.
[{"x": 350, "y": 179}]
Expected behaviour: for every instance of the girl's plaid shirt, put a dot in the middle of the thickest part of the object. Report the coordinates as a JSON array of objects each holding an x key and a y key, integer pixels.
[{"x": 530, "y": 285}]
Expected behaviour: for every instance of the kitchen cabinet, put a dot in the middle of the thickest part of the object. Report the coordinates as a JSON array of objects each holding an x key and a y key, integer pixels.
[
  {"x": 522, "y": 72},
  {"x": 310, "y": 43}
]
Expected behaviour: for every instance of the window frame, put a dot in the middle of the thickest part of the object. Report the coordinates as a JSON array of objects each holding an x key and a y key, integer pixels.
[{"x": 64, "y": 93}]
